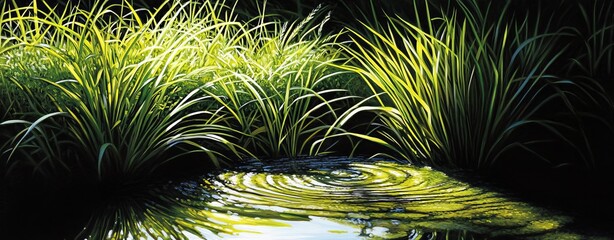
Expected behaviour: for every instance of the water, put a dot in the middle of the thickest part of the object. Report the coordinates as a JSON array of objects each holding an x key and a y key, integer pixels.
[{"x": 326, "y": 199}]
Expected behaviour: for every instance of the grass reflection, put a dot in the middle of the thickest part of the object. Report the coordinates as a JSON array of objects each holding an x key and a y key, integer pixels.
[{"x": 357, "y": 200}]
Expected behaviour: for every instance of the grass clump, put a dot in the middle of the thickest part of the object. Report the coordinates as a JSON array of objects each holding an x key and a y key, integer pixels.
[
  {"x": 271, "y": 85},
  {"x": 460, "y": 89},
  {"x": 117, "y": 114},
  {"x": 117, "y": 92}
]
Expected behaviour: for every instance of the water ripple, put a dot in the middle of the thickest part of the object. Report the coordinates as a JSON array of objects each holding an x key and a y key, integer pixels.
[{"x": 342, "y": 200}]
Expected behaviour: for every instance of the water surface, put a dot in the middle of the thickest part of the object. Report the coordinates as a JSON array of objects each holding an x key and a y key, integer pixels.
[{"x": 327, "y": 198}]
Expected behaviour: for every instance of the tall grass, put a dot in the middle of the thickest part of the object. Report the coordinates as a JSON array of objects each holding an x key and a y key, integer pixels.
[
  {"x": 271, "y": 86},
  {"x": 117, "y": 92},
  {"x": 596, "y": 57},
  {"x": 117, "y": 115},
  {"x": 592, "y": 65},
  {"x": 459, "y": 89}
]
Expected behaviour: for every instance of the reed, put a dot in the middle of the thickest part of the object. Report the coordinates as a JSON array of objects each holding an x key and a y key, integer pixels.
[
  {"x": 459, "y": 89},
  {"x": 124, "y": 104},
  {"x": 277, "y": 85},
  {"x": 595, "y": 57},
  {"x": 117, "y": 92}
]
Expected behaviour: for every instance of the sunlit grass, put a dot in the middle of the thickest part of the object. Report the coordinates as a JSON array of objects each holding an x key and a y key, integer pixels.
[
  {"x": 456, "y": 90},
  {"x": 124, "y": 103},
  {"x": 116, "y": 92},
  {"x": 270, "y": 86}
]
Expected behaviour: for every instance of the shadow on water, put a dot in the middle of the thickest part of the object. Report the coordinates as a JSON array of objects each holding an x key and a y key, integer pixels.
[{"x": 331, "y": 198}]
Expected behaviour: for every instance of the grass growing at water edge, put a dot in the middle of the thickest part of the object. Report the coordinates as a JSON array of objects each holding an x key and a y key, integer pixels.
[
  {"x": 276, "y": 98},
  {"x": 456, "y": 90},
  {"x": 126, "y": 94}
]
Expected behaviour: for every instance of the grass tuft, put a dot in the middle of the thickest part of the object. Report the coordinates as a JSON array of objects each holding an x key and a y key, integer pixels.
[{"x": 460, "y": 90}]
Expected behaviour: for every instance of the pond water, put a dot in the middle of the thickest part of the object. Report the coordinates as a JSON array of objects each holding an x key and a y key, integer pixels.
[{"x": 331, "y": 198}]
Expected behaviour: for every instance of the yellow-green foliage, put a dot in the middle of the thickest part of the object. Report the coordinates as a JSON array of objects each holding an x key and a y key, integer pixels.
[
  {"x": 454, "y": 90},
  {"x": 111, "y": 90}
]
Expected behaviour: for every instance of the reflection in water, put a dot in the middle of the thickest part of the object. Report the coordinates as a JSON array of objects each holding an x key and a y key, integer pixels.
[{"x": 324, "y": 199}]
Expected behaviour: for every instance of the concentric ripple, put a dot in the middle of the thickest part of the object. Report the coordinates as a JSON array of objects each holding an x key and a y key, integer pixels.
[
  {"x": 380, "y": 192},
  {"x": 343, "y": 200}
]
